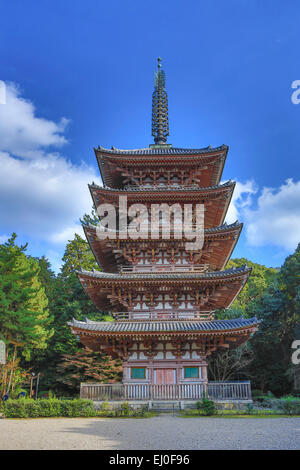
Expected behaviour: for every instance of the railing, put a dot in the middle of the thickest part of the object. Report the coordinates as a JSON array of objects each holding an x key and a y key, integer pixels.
[
  {"x": 170, "y": 268},
  {"x": 163, "y": 315},
  {"x": 191, "y": 391},
  {"x": 229, "y": 390}
]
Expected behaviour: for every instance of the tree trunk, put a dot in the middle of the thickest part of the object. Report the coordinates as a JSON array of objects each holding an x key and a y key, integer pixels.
[{"x": 12, "y": 368}]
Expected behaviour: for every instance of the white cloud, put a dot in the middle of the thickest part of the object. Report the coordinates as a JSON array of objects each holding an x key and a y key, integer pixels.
[
  {"x": 3, "y": 239},
  {"x": 42, "y": 194},
  {"x": 276, "y": 220},
  {"x": 67, "y": 234},
  {"x": 22, "y": 133},
  {"x": 43, "y": 198},
  {"x": 242, "y": 198}
]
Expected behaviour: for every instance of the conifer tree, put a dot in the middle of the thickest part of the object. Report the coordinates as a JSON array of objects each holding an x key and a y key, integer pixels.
[{"x": 25, "y": 323}]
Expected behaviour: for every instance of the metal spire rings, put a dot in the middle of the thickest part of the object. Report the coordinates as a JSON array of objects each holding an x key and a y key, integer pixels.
[{"x": 160, "y": 118}]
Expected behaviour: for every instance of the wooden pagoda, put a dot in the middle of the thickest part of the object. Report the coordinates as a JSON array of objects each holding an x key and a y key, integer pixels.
[{"x": 163, "y": 296}]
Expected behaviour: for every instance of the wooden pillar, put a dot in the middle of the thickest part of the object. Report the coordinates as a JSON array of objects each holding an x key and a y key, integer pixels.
[
  {"x": 204, "y": 371},
  {"x": 125, "y": 371}
]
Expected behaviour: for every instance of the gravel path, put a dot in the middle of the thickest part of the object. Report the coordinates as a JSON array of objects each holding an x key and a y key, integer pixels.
[{"x": 163, "y": 432}]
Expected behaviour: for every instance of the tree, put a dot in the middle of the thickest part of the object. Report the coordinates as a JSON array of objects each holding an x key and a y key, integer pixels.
[
  {"x": 280, "y": 314},
  {"x": 46, "y": 276},
  {"x": 87, "y": 365},
  {"x": 24, "y": 318},
  {"x": 92, "y": 218},
  {"x": 229, "y": 364},
  {"x": 77, "y": 255},
  {"x": 260, "y": 278},
  {"x": 233, "y": 363},
  {"x": 67, "y": 299}
]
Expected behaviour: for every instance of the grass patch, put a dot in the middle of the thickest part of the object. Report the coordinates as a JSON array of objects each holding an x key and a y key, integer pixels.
[{"x": 237, "y": 414}]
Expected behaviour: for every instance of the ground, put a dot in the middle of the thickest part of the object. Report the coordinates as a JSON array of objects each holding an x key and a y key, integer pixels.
[{"x": 165, "y": 432}]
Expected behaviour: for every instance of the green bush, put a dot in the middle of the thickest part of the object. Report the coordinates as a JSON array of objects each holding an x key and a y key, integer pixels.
[
  {"x": 49, "y": 407},
  {"x": 285, "y": 405},
  {"x": 265, "y": 401},
  {"x": 53, "y": 407},
  {"x": 15, "y": 409},
  {"x": 289, "y": 405},
  {"x": 105, "y": 407},
  {"x": 125, "y": 408},
  {"x": 206, "y": 407}
]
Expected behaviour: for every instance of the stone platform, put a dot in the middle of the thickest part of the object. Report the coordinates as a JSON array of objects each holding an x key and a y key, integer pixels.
[{"x": 175, "y": 405}]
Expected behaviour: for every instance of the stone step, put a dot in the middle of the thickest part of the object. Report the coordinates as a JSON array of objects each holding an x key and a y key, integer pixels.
[{"x": 165, "y": 406}]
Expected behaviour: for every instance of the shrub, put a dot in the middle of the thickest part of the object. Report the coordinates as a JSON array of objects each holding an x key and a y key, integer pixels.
[
  {"x": 104, "y": 407},
  {"x": 289, "y": 405},
  {"x": 125, "y": 408},
  {"x": 53, "y": 407},
  {"x": 77, "y": 407},
  {"x": 206, "y": 407},
  {"x": 285, "y": 405},
  {"x": 15, "y": 409},
  {"x": 249, "y": 409},
  {"x": 49, "y": 407},
  {"x": 265, "y": 401}
]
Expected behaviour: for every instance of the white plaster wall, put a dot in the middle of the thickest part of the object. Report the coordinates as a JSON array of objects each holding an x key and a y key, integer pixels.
[
  {"x": 133, "y": 356},
  {"x": 159, "y": 355},
  {"x": 169, "y": 355}
]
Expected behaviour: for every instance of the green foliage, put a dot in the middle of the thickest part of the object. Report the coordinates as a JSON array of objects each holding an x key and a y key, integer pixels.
[
  {"x": 125, "y": 410},
  {"x": 260, "y": 279},
  {"x": 274, "y": 297},
  {"x": 25, "y": 323},
  {"x": 279, "y": 310},
  {"x": 286, "y": 405},
  {"x": 24, "y": 317},
  {"x": 206, "y": 407},
  {"x": 289, "y": 405},
  {"x": 34, "y": 302},
  {"x": 53, "y": 407},
  {"x": 67, "y": 299},
  {"x": 87, "y": 365},
  {"x": 77, "y": 255}
]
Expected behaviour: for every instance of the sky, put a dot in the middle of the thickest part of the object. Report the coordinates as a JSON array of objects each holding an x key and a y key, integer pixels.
[{"x": 79, "y": 74}]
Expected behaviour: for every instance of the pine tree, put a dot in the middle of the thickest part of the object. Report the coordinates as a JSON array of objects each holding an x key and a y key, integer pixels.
[
  {"x": 25, "y": 324},
  {"x": 77, "y": 255}
]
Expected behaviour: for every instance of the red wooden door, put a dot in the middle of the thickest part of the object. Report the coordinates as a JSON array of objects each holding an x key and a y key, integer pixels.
[{"x": 165, "y": 376}]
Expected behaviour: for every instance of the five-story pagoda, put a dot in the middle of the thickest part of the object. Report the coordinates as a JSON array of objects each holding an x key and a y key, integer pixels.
[{"x": 162, "y": 293}]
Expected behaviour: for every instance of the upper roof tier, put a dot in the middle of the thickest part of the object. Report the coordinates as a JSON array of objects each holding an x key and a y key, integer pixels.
[
  {"x": 161, "y": 164},
  {"x": 111, "y": 253},
  {"x": 216, "y": 199}
]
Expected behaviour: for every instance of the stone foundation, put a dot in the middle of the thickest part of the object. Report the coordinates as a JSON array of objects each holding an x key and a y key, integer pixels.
[{"x": 170, "y": 405}]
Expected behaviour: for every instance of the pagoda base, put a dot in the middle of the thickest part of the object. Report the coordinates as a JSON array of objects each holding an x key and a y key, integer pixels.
[
  {"x": 165, "y": 371},
  {"x": 222, "y": 393}
]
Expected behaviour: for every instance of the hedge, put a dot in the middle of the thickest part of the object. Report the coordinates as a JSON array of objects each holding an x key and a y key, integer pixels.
[
  {"x": 52, "y": 407},
  {"x": 284, "y": 405}
]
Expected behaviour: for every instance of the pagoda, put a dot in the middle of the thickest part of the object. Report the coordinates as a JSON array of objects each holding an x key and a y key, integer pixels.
[{"x": 162, "y": 294}]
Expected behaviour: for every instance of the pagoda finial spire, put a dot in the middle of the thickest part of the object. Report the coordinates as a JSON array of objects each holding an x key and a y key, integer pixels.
[{"x": 160, "y": 118}]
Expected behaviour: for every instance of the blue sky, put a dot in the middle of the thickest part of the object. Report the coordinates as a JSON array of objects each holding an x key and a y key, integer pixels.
[{"x": 80, "y": 73}]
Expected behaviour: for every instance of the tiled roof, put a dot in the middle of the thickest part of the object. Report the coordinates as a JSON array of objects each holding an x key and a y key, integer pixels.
[
  {"x": 162, "y": 150},
  {"x": 165, "y": 275},
  {"x": 164, "y": 326},
  {"x": 222, "y": 227},
  {"x": 175, "y": 189}
]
